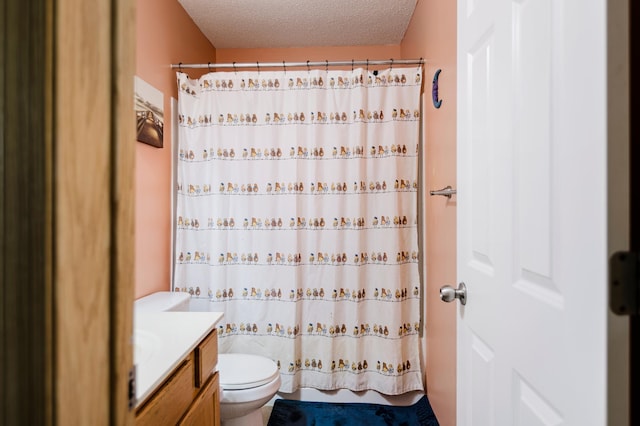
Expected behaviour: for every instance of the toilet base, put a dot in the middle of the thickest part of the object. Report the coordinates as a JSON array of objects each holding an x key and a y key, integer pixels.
[{"x": 254, "y": 418}]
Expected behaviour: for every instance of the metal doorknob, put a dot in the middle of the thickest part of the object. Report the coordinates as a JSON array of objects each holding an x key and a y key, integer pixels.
[{"x": 449, "y": 294}]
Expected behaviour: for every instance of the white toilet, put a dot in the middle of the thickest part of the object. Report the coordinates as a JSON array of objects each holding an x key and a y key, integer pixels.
[{"x": 247, "y": 382}]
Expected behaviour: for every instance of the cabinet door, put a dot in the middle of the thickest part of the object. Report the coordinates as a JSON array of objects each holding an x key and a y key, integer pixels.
[
  {"x": 169, "y": 403},
  {"x": 205, "y": 410},
  {"x": 206, "y": 357}
]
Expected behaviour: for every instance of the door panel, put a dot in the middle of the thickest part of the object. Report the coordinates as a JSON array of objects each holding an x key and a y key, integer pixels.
[
  {"x": 480, "y": 143},
  {"x": 533, "y": 136},
  {"x": 533, "y": 52},
  {"x": 483, "y": 366},
  {"x": 531, "y": 407}
]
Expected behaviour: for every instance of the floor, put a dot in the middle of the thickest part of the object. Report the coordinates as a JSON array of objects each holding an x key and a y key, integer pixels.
[{"x": 266, "y": 412}]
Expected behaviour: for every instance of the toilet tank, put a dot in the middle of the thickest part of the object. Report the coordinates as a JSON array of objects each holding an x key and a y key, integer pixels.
[{"x": 163, "y": 301}]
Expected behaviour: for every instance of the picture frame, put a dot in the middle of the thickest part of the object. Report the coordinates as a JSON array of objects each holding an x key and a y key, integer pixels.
[{"x": 149, "y": 108}]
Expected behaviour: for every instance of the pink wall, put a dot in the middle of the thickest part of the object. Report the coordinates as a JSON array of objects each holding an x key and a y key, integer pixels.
[
  {"x": 432, "y": 35},
  {"x": 165, "y": 34},
  {"x": 303, "y": 54}
]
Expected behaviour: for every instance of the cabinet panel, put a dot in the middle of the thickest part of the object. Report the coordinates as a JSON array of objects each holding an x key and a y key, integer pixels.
[
  {"x": 171, "y": 401},
  {"x": 206, "y": 357},
  {"x": 206, "y": 407}
]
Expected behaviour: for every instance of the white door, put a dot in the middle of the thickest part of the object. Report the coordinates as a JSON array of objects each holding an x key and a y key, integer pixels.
[{"x": 532, "y": 200}]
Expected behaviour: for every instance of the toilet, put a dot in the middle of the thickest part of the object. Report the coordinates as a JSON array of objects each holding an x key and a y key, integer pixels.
[{"x": 247, "y": 382}]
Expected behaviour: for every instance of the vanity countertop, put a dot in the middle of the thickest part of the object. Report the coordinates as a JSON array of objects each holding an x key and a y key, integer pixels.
[{"x": 162, "y": 340}]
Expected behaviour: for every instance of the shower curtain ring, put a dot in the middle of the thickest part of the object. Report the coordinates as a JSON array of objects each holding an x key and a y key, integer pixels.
[
  {"x": 352, "y": 65},
  {"x": 209, "y": 66},
  {"x": 367, "y": 65},
  {"x": 258, "y": 65},
  {"x": 326, "y": 66},
  {"x": 391, "y": 68},
  {"x": 180, "y": 67},
  {"x": 308, "y": 69},
  {"x": 284, "y": 66},
  {"x": 234, "y": 68}
]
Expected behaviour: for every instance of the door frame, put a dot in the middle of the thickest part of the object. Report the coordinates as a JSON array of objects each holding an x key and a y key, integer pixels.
[
  {"x": 634, "y": 195},
  {"x": 25, "y": 311},
  {"x": 67, "y": 134},
  {"x": 621, "y": 198}
]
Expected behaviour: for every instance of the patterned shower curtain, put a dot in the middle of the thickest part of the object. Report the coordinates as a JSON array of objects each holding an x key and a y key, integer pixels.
[{"x": 297, "y": 217}]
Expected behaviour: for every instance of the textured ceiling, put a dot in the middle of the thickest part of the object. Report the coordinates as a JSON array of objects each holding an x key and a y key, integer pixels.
[{"x": 297, "y": 23}]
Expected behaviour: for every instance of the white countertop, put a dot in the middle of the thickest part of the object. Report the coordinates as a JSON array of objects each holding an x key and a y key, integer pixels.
[{"x": 162, "y": 340}]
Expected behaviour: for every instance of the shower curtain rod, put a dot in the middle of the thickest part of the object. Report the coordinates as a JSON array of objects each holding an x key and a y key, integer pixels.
[{"x": 307, "y": 64}]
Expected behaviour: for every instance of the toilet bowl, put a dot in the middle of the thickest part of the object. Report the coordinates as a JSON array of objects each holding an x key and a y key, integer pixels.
[{"x": 247, "y": 382}]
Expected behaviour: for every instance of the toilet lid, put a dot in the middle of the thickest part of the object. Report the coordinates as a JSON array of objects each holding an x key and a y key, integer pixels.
[{"x": 244, "y": 371}]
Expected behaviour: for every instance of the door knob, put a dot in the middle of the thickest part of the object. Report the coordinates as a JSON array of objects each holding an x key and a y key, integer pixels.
[{"x": 449, "y": 294}]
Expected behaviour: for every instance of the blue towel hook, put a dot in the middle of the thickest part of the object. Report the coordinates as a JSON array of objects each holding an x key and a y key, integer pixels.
[{"x": 434, "y": 90}]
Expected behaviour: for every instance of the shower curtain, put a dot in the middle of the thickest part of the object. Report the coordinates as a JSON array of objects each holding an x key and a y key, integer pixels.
[{"x": 297, "y": 217}]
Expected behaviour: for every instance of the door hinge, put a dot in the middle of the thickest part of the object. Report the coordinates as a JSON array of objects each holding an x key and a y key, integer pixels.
[
  {"x": 624, "y": 283},
  {"x": 132, "y": 388}
]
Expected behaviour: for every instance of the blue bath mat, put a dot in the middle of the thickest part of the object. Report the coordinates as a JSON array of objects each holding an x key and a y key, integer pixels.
[{"x": 302, "y": 413}]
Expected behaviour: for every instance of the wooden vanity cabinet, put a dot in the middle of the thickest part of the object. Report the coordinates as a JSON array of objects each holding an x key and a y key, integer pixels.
[{"x": 190, "y": 395}]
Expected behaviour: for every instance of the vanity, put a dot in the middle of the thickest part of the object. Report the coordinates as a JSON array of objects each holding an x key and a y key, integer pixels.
[{"x": 175, "y": 354}]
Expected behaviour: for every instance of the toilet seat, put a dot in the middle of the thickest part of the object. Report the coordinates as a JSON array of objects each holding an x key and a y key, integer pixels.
[{"x": 245, "y": 371}]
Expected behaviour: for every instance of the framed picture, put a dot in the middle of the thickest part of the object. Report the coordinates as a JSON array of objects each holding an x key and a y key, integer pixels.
[{"x": 149, "y": 103}]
